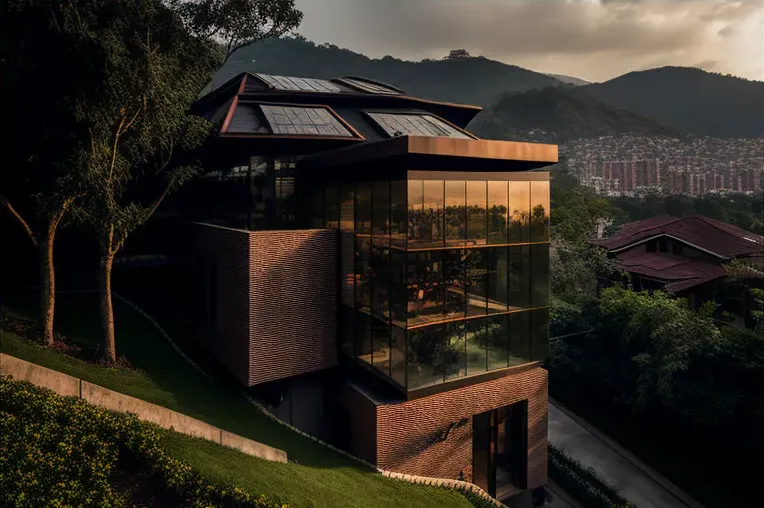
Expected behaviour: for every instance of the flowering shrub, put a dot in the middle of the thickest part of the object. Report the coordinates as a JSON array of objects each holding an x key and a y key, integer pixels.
[{"x": 61, "y": 451}]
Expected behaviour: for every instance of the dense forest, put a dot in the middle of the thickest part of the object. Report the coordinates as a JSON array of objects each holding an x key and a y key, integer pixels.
[{"x": 559, "y": 114}]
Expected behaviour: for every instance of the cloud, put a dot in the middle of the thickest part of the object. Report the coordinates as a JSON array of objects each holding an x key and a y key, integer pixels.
[{"x": 594, "y": 39}]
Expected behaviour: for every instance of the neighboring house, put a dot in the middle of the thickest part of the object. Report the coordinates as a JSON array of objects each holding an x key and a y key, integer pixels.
[
  {"x": 378, "y": 274},
  {"x": 683, "y": 255}
]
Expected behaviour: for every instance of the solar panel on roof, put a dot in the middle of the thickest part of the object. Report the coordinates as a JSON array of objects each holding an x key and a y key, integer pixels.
[
  {"x": 396, "y": 124},
  {"x": 370, "y": 87},
  {"x": 300, "y": 84},
  {"x": 303, "y": 121}
]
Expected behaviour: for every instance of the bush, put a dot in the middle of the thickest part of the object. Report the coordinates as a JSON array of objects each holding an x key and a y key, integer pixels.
[
  {"x": 582, "y": 482},
  {"x": 62, "y": 451}
]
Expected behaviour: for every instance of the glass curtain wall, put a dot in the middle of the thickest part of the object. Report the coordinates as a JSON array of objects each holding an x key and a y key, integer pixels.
[{"x": 442, "y": 279}]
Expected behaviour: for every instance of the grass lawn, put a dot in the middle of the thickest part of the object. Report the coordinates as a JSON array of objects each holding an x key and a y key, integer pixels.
[{"x": 321, "y": 477}]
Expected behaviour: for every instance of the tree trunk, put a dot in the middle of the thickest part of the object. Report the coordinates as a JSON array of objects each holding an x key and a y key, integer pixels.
[
  {"x": 47, "y": 286},
  {"x": 108, "y": 350}
]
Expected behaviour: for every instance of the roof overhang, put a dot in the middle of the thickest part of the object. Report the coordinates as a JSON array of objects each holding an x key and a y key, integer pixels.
[{"x": 404, "y": 153}]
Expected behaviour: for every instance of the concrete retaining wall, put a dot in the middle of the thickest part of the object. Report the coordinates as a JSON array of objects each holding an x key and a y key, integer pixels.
[{"x": 66, "y": 385}]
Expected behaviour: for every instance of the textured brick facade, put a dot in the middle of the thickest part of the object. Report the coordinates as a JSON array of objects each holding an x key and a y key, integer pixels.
[
  {"x": 409, "y": 435},
  {"x": 274, "y": 300},
  {"x": 293, "y": 302}
]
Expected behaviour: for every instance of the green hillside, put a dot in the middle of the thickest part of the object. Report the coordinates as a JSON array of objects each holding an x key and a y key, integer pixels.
[
  {"x": 477, "y": 80},
  {"x": 559, "y": 114},
  {"x": 689, "y": 100}
]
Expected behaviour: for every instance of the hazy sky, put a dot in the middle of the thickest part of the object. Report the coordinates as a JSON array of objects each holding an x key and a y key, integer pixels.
[{"x": 591, "y": 39}]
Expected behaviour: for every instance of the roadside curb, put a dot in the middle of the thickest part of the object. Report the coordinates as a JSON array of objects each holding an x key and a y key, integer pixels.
[{"x": 661, "y": 480}]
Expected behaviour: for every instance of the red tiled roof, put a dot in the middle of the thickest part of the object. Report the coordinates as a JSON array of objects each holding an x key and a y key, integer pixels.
[
  {"x": 678, "y": 272},
  {"x": 724, "y": 240}
]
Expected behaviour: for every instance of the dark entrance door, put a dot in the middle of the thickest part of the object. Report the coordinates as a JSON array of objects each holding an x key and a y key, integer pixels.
[{"x": 500, "y": 449}]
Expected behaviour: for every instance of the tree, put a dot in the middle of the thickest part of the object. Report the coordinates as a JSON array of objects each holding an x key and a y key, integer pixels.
[
  {"x": 39, "y": 181},
  {"x": 139, "y": 130},
  {"x": 238, "y": 23},
  {"x": 458, "y": 54}
]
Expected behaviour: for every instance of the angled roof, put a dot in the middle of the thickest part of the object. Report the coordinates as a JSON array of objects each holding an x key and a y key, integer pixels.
[
  {"x": 350, "y": 92},
  {"x": 679, "y": 273},
  {"x": 718, "y": 238}
]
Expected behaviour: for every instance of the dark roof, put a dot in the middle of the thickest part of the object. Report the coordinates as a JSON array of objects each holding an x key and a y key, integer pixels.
[
  {"x": 679, "y": 273},
  {"x": 350, "y": 92},
  {"x": 723, "y": 240}
]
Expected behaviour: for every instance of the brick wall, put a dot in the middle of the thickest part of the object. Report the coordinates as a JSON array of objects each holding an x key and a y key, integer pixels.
[
  {"x": 227, "y": 250},
  {"x": 408, "y": 434},
  {"x": 293, "y": 298},
  {"x": 276, "y": 300}
]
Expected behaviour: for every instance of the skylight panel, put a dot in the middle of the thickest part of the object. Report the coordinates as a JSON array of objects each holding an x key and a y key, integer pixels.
[
  {"x": 304, "y": 121},
  {"x": 415, "y": 125},
  {"x": 294, "y": 84}
]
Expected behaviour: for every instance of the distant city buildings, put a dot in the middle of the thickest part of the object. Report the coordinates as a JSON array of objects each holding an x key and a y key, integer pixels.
[{"x": 630, "y": 165}]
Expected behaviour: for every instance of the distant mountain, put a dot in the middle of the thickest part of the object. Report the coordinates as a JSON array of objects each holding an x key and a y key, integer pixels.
[
  {"x": 689, "y": 100},
  {"x": 559, "y": 114},
  {"x": 476, "y": 80},
  {"x": 570, "y": 80}
]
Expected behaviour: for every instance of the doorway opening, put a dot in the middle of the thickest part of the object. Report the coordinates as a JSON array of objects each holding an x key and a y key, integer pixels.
[{"x": 500, "y": 449}]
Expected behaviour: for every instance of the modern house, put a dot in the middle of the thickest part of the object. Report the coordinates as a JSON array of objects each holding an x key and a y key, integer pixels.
[
  {"x": 378, "y": 274},
  {"x": 683, "y": 255}
]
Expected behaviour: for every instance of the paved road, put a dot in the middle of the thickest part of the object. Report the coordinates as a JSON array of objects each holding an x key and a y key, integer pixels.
[{"x": 632, "y": 482}]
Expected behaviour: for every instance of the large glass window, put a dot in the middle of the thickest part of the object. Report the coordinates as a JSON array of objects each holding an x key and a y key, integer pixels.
[
  {"x": 454, "y": 274},
  {"x": 519, "y": 277},
  {"x": 519, "y": 206},
  {"x": 539, "y": 211},
  {"x": 398, "y": 288},
  {"x": 519, "y": 338},
  {"x": 477, "y": 198},
  {"x": 540, "y": 275},
  {"x": 498, "y": 279},
  {"x": 425, "y": 287},
  {"x": 398, "y": 213},
  {"x": 381, "y": 209},
  {"x": 432, "y": 231},
  {"x": 363, "y": 336},
  {"x": 381, "y": 346},
  {"x": 539, "y": 334},
  {"x": 398, "y": 355},
  {"x": 454, "y": 351},
  {"x": 425, "y": 356},
  {"x": 456, "y": 213},
  {"x": 476, "y": 281},
  {"x": 498, "y": 342},
  {"x": 498, "y": 215},
  {"x": 477, "y": 346}
]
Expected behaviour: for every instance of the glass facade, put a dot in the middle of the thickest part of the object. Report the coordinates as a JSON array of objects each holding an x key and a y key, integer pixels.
[{"x": 442, "y": 279}]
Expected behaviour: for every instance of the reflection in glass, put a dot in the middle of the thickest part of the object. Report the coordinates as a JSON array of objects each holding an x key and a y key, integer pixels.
[
  {"x": 398, "y": 213},
  {"x": 539, "y": 211},
  {"x": 456, "y": 212},
  {"x": 477, "y": 346},
  {"x": 540, "y": 275},
  {"x": 363, "y": 336},
  {"x": 476, "y": 212},
  {"x": 347, "y": 204},
  {"x": 498, "y": 343},
  {"x": 454, "y": 352},
  {"x": 425, "y": 355},
  {"x": 519, "y": 338},
  {"x": 347, "y": 330},
  {"x": 416, "y": 219},
  {"x": 398, "y": 356},
  {"x": 363, "y": 273},
  {"x": 539, "y": 334},
  {"x": 425, "y": 287},
  {"x": 498, "y": 215},
  {"x": 454, "y": 273},
  {"x": 381, "y": 208},
  {"x": 380, "y": 279},
  {"x": 498, "y": 278},
  {"x": 519, "y": 277},
  {"x": 397, "y": 288},
  {"x": 476, "y": 281},
  {"x": 381, "y": 346},
  {"x": 332, "y": 203},
  {"x": 432, "y": 231},
  {"x": 519, "y": 206},
  {"x": 363, "y": 209}
]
